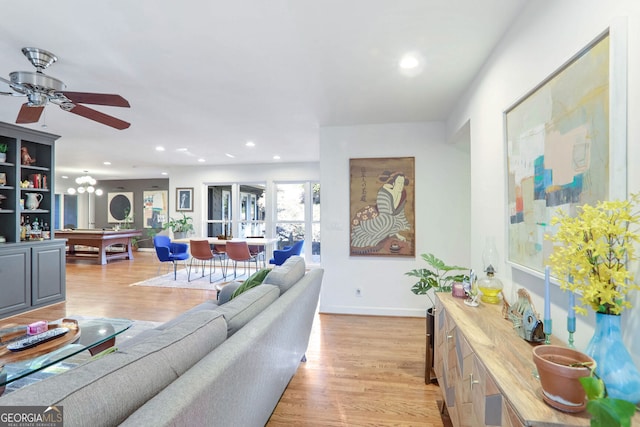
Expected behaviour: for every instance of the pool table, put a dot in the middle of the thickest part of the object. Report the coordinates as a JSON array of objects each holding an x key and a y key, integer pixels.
[{"x": 100, "y": 239}]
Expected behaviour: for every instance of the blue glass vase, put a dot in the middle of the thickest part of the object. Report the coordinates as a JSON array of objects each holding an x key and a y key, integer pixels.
[{"x": 615, "y": 365}]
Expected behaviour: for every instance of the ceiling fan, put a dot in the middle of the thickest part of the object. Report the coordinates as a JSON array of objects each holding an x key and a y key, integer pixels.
[{"x": 41, "y": 89}]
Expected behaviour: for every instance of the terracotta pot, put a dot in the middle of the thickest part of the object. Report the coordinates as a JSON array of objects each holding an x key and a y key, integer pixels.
[{"x": 561, "y": 387}]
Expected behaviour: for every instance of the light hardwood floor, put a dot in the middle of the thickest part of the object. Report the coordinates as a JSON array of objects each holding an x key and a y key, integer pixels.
[{"x": 360, "y": 370}]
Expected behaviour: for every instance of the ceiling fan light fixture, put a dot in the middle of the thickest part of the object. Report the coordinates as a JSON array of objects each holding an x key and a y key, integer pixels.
[
  {"x": 39, "y": 58},
  {"x": 40, "y": 89}
]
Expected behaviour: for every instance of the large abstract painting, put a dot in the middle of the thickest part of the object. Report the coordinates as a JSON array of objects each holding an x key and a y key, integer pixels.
[
  {"x": 558, "y": 151},
  {"x": 382, "y": 206}
]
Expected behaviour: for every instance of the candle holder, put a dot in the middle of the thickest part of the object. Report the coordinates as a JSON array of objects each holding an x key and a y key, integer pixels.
[
  {"x": 571, "y": 327},
  {"x": 571, "y": 340},
  {"x": 547, "y": 331}
]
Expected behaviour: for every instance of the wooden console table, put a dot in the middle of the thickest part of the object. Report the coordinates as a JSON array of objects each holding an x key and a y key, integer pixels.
[
  {"x": 100, "y": 239},
  {"x": 485, "y": 370}
]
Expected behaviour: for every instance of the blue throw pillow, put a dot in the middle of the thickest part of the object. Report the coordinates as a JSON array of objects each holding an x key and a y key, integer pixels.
[{"x": 254, "y": 280}]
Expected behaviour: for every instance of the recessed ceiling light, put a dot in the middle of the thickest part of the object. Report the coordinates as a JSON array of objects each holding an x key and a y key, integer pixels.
[
  {"x": 409, "y": 62},
  {"x": 164, "y": 173},
  {"x": 106, "y": 163},
  {"x": 201, "y": 160},
  {"x": 159, "y": 148},
  {"x": 250, "y": 144},
  {"x": 182, "y": 149},
  {"x": 276, "y": 157},
  {"x": 230, "y": 155},
  {"x": 65, "y": 177}
]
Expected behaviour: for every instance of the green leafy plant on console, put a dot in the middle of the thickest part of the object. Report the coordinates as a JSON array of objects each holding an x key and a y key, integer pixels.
[
  {"x": 605, "y": 411},
  {"x": 439, "y": 277}
]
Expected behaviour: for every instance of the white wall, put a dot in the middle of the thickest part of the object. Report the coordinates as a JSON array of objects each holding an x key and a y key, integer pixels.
[
  {"x": 442, "y": 215},
  {"x": 547, "y": 34}
]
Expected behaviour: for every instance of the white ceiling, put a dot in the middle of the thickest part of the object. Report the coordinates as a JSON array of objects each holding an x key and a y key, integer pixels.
[{"x": 207, "y": 76}]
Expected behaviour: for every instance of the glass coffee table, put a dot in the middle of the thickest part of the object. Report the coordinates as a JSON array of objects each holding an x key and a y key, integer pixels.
[{"x": 94, "y": 335}]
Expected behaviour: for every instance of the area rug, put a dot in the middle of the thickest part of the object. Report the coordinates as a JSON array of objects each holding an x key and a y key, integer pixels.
[
  {"x": 197, "y": 281},
  {"x": 73, "y": 361}
]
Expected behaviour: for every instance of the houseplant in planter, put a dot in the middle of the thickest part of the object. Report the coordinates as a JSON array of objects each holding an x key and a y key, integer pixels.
[
  {"x": 560, "y": 369},
  {"x": 180, "y": 227},
  {"x": 591, "y": 257},
  {"x": 440, "y": 277},
  {"x": 3, "y": 152}
]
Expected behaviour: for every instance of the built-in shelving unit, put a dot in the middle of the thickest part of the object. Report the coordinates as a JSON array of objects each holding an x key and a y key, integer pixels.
[{"x": 32, "y": 266}]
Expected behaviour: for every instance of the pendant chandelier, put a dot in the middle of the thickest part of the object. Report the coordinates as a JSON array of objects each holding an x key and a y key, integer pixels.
[{"x": 86, "y": 184}]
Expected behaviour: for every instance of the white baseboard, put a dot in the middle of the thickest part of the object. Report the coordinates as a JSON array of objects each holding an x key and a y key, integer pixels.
[{"x": 373, "y": 311}]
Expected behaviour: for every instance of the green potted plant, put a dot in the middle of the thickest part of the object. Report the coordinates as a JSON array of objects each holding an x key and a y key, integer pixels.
[
  {"x": 440, "y": 277},
  {"x": 180, "y": 227},
  {"x": 3, "y": 152},
  {"x": 605, "y": 411}
]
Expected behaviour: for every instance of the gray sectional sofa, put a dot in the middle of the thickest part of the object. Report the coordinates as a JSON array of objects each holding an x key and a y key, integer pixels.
[{"x": 214, "y": 365}]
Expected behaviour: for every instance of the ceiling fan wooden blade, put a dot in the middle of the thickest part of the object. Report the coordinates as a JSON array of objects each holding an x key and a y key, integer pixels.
[
  {"x": 29, "y": 114},
  {"x": 99, "y": 117},
  {"x": 96, "y": 99}
]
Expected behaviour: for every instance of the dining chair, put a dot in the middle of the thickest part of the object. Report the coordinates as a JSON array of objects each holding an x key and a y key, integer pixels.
[
  {"x": 201, "y": 252},
  {"x": 239, "y": 251},
  {"x": 258, "y": 250},
  {"x": 281, "y": 255},
  {"x": 168, "y": 251}
]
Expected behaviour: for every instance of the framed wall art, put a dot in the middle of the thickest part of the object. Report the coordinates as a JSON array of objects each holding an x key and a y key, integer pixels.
[
  {"x": 565, "y": 148},
  {"x": 155, "y": 204},
  {"x": 119, "y": 206},
  {"x": 382, "y": 206},
  {"x": 184, "y": 199}
]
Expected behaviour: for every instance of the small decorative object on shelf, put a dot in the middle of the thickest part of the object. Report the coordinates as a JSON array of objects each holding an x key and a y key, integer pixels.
[
  {"x": 525, "y": 319},
  {"x": 471, "y": 289},
  {"x": 457, "y": 290},
  {"x": 25, "y": 157},
  {"x": 490, "y": 286}
]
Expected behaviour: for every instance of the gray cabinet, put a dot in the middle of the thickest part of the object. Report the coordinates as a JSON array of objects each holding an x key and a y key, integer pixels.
[
  {"x": 48, "y": 276},
  {"x": 15, "y": 279},
  {"x": 32, "y": 275}
]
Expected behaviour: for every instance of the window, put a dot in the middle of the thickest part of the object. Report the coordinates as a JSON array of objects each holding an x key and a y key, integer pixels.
[
  {"x": 221, "y": 218},
  {"x": 244, "y": 210},
  {"x": 218, "y": 210},
  {"x": 298, "y": 217}
]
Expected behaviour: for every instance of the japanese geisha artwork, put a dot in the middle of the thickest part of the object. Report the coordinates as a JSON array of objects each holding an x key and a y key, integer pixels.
[{"x": 382, "y": 206}]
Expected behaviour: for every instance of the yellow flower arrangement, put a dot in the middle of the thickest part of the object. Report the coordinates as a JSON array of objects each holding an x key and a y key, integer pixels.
[{"x": 595, "y": 248}]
